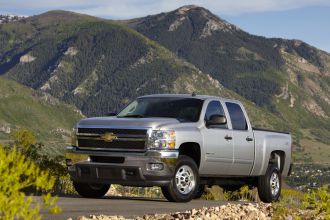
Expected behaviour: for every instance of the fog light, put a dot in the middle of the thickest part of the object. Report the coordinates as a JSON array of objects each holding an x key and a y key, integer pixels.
[{"x": 156, "y": 166}]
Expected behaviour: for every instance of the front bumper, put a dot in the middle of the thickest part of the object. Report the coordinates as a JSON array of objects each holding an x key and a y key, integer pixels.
[{"x": 124, "y": 168}]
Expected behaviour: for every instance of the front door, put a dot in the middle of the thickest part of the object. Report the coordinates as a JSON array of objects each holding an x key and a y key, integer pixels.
[{"x": 218, "y": 145}]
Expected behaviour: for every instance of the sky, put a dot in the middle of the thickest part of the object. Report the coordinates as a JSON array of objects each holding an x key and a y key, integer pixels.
[{"x": 307, "y": 20}]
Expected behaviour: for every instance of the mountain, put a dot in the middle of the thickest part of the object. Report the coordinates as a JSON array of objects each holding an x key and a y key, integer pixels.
[
  {"x": 100, "y": 65},
  {"x": 288, "y": 77},
  {"x": 47, "y": 117}
]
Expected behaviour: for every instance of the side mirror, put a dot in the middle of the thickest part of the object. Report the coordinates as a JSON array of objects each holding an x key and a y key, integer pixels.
[
  {"x": 111, "y": 114},
  {"x": 216, "y": 120}
]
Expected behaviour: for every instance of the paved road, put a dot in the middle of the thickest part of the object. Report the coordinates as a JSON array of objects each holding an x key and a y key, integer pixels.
[{"x": 128, "y": 207}]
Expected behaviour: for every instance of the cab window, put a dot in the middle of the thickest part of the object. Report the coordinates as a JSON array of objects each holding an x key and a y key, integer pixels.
[
  {"x": 237, "y": 117},
  {"x": 214, "y": 108}
]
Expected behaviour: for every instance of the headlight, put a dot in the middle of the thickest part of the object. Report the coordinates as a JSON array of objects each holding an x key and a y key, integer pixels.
[
  {"x": 161, "y": 139},
  {"x": 74, "y": 140}
]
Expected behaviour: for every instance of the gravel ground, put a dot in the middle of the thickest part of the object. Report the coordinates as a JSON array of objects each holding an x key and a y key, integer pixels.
[{"x": 260, "y": 211}]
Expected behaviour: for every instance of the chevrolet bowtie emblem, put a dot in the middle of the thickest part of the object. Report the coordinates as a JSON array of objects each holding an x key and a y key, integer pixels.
[{"x": 109, "y": 137}]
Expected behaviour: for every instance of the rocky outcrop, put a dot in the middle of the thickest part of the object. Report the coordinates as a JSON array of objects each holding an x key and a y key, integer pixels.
[
  {"x": 71, "y": 51},
  {"x": 27, "y": 58},
  {"x": 5, "y": 129}
]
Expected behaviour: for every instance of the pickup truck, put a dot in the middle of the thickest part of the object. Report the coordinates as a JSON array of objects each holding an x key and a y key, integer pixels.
[{"x": 181, "y": 143}]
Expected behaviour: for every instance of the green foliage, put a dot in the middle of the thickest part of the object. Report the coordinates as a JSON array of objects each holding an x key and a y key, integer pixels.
[
  {"x": 318, "y": 200},
  {"x": 49, "y": 119},
  {"x": 244, "y": 193},
  {"x": 25, "y": 142},
  {"x": 311, "y": 205},
  {"x": 17, "y": 173}
]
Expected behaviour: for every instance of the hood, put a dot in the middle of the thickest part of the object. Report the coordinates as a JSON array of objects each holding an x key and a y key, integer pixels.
[{"x": 154, "y": 123}]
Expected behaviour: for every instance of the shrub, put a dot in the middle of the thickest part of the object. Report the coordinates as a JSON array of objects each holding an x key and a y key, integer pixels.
[
  {"x": 17, "y": 173},
  {"x": 312, "y": 205},
  {"x": 290, "y": 201},
  {"x": 318, "y": 200},
  {"x": 26, "y": 143},
  {"x": 244, "y": 193}
]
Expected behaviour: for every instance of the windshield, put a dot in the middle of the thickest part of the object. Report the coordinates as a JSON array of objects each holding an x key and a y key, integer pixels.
[{"x": 183, "y": 109}]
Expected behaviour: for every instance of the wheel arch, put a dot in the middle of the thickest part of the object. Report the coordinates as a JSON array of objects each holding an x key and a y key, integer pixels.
[
  {"x": 191, "y": 149},
  {"x": 277, "y": 157}
]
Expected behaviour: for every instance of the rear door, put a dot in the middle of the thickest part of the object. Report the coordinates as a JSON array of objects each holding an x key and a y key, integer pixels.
[
  {"x": 243, "y": 140},
  {"x": 217, "y": 141}
]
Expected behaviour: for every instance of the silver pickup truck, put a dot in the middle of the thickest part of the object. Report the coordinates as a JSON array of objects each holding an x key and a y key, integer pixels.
[{"x": 181, "y": 143}]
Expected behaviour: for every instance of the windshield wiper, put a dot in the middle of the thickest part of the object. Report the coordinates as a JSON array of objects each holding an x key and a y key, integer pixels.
[{"x": 132, "y": 116}]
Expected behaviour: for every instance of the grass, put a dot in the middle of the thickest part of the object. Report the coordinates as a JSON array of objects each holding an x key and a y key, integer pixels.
[
  {"x": 318, "y": 151},
  {"x": 310, "y": 205},
  {"x": 22, "y": 107}
]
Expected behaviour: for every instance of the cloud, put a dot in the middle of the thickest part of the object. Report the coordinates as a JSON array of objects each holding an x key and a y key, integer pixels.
[{"x": 135, "y": 8}]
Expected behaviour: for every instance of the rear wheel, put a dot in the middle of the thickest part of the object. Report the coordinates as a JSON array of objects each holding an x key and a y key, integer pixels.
[
  {"x": 183, "y": 186},
  {"x": 90, "y": 190},
  {"x": 269, "y": 185}
]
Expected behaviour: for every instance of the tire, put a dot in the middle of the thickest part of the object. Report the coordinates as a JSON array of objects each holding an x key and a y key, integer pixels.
[
  {"x": 91, "y": 190},
  {"x": 200, "y": 191},
  {"x": 269, "y": 185},
  {"x": 166, "y": 194},
  {"x": 185, "y": 190}
]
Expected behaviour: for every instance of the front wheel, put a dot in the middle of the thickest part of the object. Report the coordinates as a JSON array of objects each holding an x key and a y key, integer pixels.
[
  {"x": 183, "y": 186},
  {"x": 269, "y": 185},
  {"x": 200, "y": 191},
  {"x": 89, "y": 190}
]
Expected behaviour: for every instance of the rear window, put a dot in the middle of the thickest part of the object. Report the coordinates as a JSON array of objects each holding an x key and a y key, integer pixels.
[{"x": 236, "y": 116}]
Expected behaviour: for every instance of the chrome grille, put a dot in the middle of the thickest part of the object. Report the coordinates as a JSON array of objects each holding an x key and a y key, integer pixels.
[{"x": 125, "y": 139}]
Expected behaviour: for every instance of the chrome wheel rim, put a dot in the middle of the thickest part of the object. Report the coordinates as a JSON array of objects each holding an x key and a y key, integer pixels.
[
  {"x": 275, "y": 184},
  {"x": 185, "y": 179}
]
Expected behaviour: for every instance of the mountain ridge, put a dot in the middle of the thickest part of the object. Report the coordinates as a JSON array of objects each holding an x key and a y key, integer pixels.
[{"x": 100, "y": 65}]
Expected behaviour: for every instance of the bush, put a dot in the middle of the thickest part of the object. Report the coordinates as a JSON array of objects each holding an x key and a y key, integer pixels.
[
  {"x": 26, "y": 143},
  {"x": 17, "y": 173},
  {"x": 244, "y": 194},
  {"x": 312, "y": 205},
  {"x": 318, "y": 200}
]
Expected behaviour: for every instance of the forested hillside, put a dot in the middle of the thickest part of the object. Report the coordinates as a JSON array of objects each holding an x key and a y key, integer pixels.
[
  {"x": 100, "y": 65},
  {"x": 287, "y": 77},
  {"x": 47, "y": 117}
]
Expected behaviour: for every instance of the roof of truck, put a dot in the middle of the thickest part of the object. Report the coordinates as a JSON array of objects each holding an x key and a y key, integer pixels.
[{"x": 202, "y": 97}]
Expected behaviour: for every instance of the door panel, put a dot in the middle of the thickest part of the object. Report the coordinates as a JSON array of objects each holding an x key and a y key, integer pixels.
[
  {"x": 218, "y": 149},
  {"x": 243, "y": 141},
  {"x": 243, "y": 152}
]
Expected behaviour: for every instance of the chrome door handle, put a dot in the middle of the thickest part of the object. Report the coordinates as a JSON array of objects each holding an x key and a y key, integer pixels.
[
  {"x": 249, "y": 139},
  {"x": 227, "y": 137}
]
